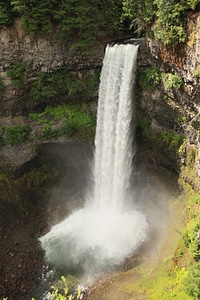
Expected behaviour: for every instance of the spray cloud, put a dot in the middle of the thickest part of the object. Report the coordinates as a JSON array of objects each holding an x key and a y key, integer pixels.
[{"x": 104, "y": 232}]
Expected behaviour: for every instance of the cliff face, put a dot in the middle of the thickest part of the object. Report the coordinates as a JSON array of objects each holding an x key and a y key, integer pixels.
[
  {"x": 170, "y": 109},
  {"x": 39, "y": 55},
  {"x": 168, "y": 106},
  {"x": 174, "y": 108}
]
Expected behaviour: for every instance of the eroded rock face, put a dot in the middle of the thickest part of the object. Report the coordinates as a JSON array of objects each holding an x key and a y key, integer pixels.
[
  {"x": 168, "y": 109},
  {"x": 174, "y": 109},
  {"x": 182, "y": 58},
  {"x": 39, "y": 55}
]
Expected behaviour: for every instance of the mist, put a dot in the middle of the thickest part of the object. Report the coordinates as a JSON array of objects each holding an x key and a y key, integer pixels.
[
  {"x": 88, "y": 239},
  {"x": 118, "y": 207}
]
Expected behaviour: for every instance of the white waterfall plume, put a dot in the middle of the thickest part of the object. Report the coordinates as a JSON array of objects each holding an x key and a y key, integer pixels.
[
  {"x": 103, "y": 233},
  {"x": 114, "y": 132}
]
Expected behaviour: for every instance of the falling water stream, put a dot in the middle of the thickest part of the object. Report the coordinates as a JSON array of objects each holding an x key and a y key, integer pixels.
[{"x": 106, "y": 230}]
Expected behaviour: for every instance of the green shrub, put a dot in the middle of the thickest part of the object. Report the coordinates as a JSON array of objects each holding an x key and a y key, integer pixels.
[
  {"x": 192, "y": 3},
  {"x": 63, "y": 292},
  {"x": 171, "y": 81},
  {"x": 74, "y": 120},
  {"x": 169, "y": 24},
  {"x": 165, "y": 19},
  {"x": 77, "y": 119},
  {"x": 48, "y": 133},
  {"x": 6, "y": 15},
  {"x": 17, "y": 74},
  {"x": 144, "y": 127},
  {"x": 17, "y": 134},
  {"x": 171, "y": 139},
  {"x": 192, "y": 281},
  {"x": 190, "y": 238},
  {"x": 50, "y": 116},
  {"x": 149, "y": 78}
]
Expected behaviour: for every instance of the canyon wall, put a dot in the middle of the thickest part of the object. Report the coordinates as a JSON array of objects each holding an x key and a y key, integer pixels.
[
  {"x": 45, "y": 54},
  {"x": 172, "y": 109}
]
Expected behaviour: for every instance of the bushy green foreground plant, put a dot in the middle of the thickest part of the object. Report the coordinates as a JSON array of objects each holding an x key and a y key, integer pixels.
[
  {"x": 192, "y": 228},
  {"x": 63, "y": 293},
  {"x": 192, "y": 282},
  {"x": 167, "y": 285}
]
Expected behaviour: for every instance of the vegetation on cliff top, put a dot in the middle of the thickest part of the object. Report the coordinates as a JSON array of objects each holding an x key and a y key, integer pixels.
[{"x": 82, "y": 23}]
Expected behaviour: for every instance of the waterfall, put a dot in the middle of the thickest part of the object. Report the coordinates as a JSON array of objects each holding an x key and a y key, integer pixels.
[
  {"x": 103, "y": 233},
  {"x": 114, "y": 133}
]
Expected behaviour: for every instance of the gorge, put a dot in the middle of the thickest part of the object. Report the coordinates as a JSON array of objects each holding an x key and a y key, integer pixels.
[{"x": 167, "y": 133}]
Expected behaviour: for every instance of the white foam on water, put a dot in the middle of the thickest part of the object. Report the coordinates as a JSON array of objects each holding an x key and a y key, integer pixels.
[{"x": 94, "y": 238}]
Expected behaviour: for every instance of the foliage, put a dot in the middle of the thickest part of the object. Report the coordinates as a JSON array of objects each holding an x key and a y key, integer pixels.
[
  {"x": 193, "y": 226},
  {"x": 193, "y": 3},
  {"x": 138, "y": 14},
  {"x": 190, "y": 238},
  {"x": 49, "y": 133},
  {"x": 82, "y": 23},
  {"x": 17, "y": 74},
  {"x": 62, "y": 82},
  {"x": 17, "y": 134},
  {"x": 168, "y": 139},
  {"x": 171, "y": 139},
  {"x": 77, "y": 21},
  {"x": 166, "y": 19},
  {"x": 172, "y": 287},
  {"x": 4, "y": 179},
  {"x": 171, "y": 81},
  {"x": 77, "y": 119},
  {"x": 148, "y": 78},
  {"x": 6, "y": 14},
  {"x": 73, "y": 117},
  {"x": 192, "y": 282},
  {"x": 169, "y": 26},
  {"x": 63, "y": 293}
]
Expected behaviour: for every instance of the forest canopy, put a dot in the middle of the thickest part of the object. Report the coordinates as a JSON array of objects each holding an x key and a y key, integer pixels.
[{"x": 85, "y": 22}]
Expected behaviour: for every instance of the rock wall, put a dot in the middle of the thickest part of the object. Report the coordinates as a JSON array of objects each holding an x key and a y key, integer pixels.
[
  {"x": 39, "y": 55},
  {"x": 174, "y": 109},
  {"x": 169, "y": 109}
]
